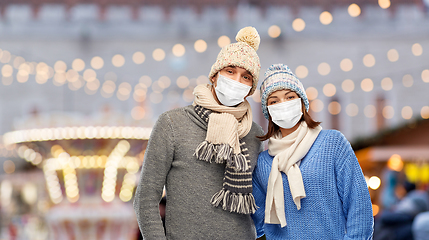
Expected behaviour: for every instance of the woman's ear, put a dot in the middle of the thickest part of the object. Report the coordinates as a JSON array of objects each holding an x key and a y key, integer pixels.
[{"x": 214, "y": 80}]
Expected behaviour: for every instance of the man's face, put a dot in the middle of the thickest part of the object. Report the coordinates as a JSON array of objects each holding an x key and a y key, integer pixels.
[{"x": 238, "y": 74}]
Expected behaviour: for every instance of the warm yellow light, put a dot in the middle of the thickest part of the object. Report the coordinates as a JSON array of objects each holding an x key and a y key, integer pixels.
[
  {"x": 386, "y": 84},
  {"x": 407, "y": 112},
  {"x": 274, "y": 31},
  {"x": 354, "y": 10},
  {"x": 325, "y": 18},
  {"x": 374, "y": 182},
  {"x": 312, "y": 93},
  {"x": 348, "y": 85},
  {"x": 166, "y": 82},
  {"x": 316, "y": 105},
  {"x": 370, "y": 111},
  {"x": 146, "y": 80},
  {"x": 329, "y": 90},
  {"x": 200, "y": 46},
  {"x": 182, "y": 82},
  {"x": 298, "y": 25},
  {"x": 118, "y": 60},
  {"x": 388, "y": 112},
  {"x": 97, "y": 62},
  {"x": 334, "y": 107},
  {"x": 301, "y": 71},
  {"x": 425, "y": 75},
  {"x": 352, "y": 110},
  {"x": 393, "y": 55},
  {"x": 395, "y": 163},
  {"x": 425, "y": 112},
  {"x": 222, "y": 41},
  {"x": 178, "y": 50},
  {"x": 158, "y": 54},
  {"x": 139, "y": 57},
  {"x": 188, "y": 95},
  {"x": 7, "y": 70},
  {"x": 324, "y": 69},
  {"x": 346, "y": 65},
  {"x": 407, "y": 80},
  {"x": 375, "y": 209},
  {"x": 8, "y": 166},
  {"x": 138, "y": 113},
  {"x": 417, "y": 49},
  {"x": 367, "y": 85},
  {"x": 78, "y": 64},
  {"x": 5, "y": 56},
  {"x": 60, "y": 67},
  {"x": 384, "y": 3},
  {"x": 89, "y": 75},
  {"x": 369, "y": 60}
]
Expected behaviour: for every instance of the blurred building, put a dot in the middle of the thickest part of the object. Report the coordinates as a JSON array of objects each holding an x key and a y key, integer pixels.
[{"x": 83, "y": 64}]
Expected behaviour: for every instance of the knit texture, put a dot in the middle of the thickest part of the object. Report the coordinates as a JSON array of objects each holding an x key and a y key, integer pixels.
[
  {"x": 190, "y": 183},
  {"x": 241, "y": 54},
  {"x": 337, "y": 205},
  {"x": 236, "y": 193},
  {"x": 280, "y": 77}
]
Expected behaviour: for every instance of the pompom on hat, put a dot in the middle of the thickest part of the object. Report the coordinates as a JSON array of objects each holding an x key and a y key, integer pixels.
[
  {"x": 280, "y": 77},
  {"x": 241, "y": 54}
]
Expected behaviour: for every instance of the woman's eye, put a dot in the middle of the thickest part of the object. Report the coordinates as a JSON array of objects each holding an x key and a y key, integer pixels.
[{"x": 229, "y": 71}]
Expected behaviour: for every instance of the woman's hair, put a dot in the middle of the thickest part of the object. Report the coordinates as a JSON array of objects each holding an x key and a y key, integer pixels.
[{"x": 273, "y": 128}]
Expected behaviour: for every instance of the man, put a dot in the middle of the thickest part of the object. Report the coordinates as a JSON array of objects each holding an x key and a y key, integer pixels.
[{"x": 204, "y": 154}]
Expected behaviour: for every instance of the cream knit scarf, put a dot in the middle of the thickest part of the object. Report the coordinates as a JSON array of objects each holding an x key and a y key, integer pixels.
[
  {"x": 226, "y": 126},
  {"x": 288, "y": 152}
]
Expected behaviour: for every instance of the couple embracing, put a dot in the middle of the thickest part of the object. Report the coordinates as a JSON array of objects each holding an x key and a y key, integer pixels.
[{"x": 220, "y": 184}]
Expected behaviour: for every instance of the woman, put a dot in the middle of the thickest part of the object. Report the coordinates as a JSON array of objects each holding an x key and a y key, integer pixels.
[{"x": 308, "y": 184}]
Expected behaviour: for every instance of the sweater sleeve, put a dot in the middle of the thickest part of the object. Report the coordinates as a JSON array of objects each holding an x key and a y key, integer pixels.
[
  {"x": 157, "y": 162},
  {"x": 353, "y": 191},
  {"x": 259, "y": 195}
]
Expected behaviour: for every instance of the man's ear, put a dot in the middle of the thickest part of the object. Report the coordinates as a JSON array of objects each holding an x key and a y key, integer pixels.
[{"x": 213, "y": 80}]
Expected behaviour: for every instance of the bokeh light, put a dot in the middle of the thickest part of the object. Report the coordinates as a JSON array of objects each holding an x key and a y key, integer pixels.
[
  {"x": 329, "y": 89},
  {"x": 386, "y": 84},
  {"x": 139, "y": 57},
  {"x": 348, "y": 85},
  {"x": 324, "y": 69},
  {"x": 118, "y": 60},
  {"x": 158, "y": 54},
  {"x": 367, "y": 85},
  {"x": 407, "y": 80},
  {"x": 301, "y": 71},
  {"x": 407, "y": 112},
  {"x": 200, "y": 46},
  {"x": 354, "y": 10},
  {"x": 316, "y": 105},
  {"x": 325, "y": 18},
  {"x": 97, "y": 62},
  {"x": 388, "y": 112},
  {"x": 178, "y": 50},
  {"x": 346, "y": 65},
  {"x": 222, "y": 41},
  {"x": 352, "y": 110},
  {"x": 298, "y": 25},
  {"x": 417, "y": 49},
  {"x": 274, "y": 31},
  {"x": 370, "y": 111},
  {"x": 393, "y": 55},
  {"x": 311, "y": 93},
  {"x": 369, "y": 60},
  {"x": 334, "y": 107}
]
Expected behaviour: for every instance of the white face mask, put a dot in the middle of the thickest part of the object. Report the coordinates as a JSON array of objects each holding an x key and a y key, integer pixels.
[
  {"x": 286, "y": 114},
  {"x": 230, "y": 92}
]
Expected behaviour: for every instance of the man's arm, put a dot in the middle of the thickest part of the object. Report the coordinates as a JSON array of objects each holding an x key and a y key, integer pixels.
[{"x": 157, "y": 162}]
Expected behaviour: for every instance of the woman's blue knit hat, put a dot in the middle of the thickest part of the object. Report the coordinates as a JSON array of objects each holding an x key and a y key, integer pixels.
[{"x": 279, "y": 77}]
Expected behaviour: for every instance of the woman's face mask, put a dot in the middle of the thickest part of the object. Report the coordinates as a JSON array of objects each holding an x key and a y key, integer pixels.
[
  {"x": 230, "y": 92},
  {"x": 286, "y": 114}
]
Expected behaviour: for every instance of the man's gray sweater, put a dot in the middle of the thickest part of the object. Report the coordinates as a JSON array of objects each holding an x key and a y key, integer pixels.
[{"x": 190, "y": 183}]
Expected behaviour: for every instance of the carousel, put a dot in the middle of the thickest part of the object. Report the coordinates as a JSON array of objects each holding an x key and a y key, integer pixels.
[{"x": 90, "y": 171}]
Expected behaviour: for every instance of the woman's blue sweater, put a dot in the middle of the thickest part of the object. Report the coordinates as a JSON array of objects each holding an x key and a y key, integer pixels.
[{"x": 337, "y": 205}]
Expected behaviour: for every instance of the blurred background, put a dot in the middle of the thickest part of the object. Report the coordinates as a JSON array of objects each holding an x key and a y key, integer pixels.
[{"x": 83, "y": 81}]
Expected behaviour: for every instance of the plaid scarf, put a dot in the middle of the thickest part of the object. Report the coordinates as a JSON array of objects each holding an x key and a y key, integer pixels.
[{"x": 236, "y": 193}]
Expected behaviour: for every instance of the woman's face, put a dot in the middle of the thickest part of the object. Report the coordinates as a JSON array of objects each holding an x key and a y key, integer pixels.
[{"x": 281, "y": 96}]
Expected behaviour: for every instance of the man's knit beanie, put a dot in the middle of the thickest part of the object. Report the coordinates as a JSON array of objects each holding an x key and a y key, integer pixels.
[
  {"x": 241, "y": 54},
  {"x": 280, "y": 77}
]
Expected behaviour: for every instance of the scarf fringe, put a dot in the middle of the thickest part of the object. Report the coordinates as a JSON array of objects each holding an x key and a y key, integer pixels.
[
  {"x": 221, "y": 153},
  {"x": 234, "y": 202}
]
